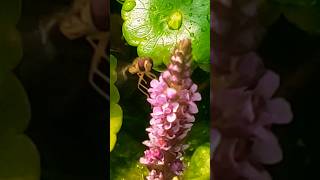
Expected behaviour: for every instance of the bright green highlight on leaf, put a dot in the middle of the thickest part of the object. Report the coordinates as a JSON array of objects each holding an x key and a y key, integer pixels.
[
  {"x": 175, "y": 21},
  {"x": 155, "y": 26},
  {"x": 115, "y": 123},
  {"x": 199, "y": 168},
  {"x": 129, "y": 5},
  {"x": 115, "y": 109}
]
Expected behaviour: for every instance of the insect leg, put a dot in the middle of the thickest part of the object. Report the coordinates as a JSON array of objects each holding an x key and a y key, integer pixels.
[
  {"x": 151, "y": 75},
  {"x": 140, "y": 74},
  {"x": 141, "y": 87},
  {"x": 95, "y": 87}
]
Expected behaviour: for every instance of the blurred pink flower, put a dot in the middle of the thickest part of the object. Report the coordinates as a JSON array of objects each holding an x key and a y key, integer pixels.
[
  {"x": 172, "y": 98},
  {"x": 243, "y": 111}
]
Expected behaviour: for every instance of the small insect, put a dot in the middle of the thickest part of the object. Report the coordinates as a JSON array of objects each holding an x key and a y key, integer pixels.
[{"x": 141, "y": 66}]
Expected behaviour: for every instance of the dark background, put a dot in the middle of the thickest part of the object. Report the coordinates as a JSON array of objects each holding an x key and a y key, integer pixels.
[{"x": 68, "y": 124}]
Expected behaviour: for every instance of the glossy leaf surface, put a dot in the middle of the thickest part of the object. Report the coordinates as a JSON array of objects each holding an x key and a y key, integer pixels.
[{"x": 155, "y": 26}]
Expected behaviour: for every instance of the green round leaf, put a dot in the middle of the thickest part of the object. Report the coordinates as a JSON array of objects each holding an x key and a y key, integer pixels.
[
  {"x": 155, "y": 26},
  {"x": 9, "y": 12},
  {"x": 14, "y": 106},
  {"x": 19, "y": 158},
  {"x": 115, "y": 117},
  {"x": 199, "y": 168},
  {"x": 115, "y": 123},
  {"x": 10, "y": 48},
  {"x": 114, "y": 94}
]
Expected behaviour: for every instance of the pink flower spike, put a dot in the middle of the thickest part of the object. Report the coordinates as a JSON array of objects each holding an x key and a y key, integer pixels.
[
  {"x": 157, "y": 111},
  {"x": 177, "y": 167},
  {"x": 193, "y": 109},
  {"x": 171, "y": 117},
  {"x": 196, "y": 97},
  {"x": 173, "y": 100},
  {"x": 154, "y": 83},
  {"x": 171, "y": 93},
  {"x": 193, "y": 88}
]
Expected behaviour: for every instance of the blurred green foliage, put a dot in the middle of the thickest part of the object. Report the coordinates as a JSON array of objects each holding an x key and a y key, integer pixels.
[
  {"x": 303, "y": 13},
  {"x": 19, "y": 158},
  {"x": 115, "y": 109}
]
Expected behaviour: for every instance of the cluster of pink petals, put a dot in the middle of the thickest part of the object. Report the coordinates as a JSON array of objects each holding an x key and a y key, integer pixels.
[
  {"x": 243, "y": 111},
  {"x": 172, "y": 98}
]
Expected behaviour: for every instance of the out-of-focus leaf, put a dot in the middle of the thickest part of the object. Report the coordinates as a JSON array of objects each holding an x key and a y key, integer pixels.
[
  {"x": 136, "y": 172},
  {"x": 114, "y": 94},
  {"x": 115, "y": 109},
  {"x": 113, "y": 140},
  {"x": 199, "y": 168},
  {"x": 306, "y": 18},
  {"x": 303, "y": 13},
  {"x": 10, "y": 47},
  {"x": 125, "y": 158},
  {"x": 14, "y": 106},
  {"x": 19, "y": 158},
  {"x": 199, "y": 134},
  {"x": 115, "y": 123},
  {"x": 115, "y": 117},
  {"x": 9, "y": 12}
]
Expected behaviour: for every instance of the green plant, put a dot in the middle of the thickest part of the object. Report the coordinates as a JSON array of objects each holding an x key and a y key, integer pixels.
[
  {"x": 115, "y": 109},
  {"x": 19, "y": 158},
  {"x": 155, "y": 26}
]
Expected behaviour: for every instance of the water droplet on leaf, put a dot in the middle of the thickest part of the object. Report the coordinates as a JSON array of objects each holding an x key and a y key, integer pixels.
[
  {"x": 175, "y": 20},
  {"x": 129, "y": 5}
]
